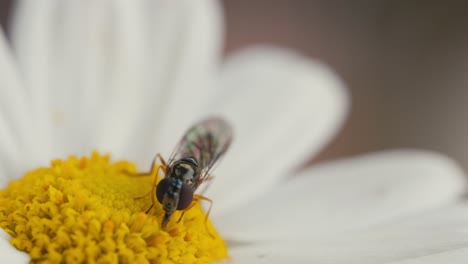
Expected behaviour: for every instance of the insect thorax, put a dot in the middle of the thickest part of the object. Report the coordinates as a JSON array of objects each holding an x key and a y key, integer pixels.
[{"x": 185, "y": 169}]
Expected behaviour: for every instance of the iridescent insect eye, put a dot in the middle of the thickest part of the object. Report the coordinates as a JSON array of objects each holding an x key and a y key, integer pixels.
[
  {"x": 162, "y": 188},
  {"x": 185, "y": 198},
  {"x": 185, "y": 194}
]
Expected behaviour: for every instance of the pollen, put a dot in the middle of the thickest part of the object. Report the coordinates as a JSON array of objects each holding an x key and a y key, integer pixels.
[{"x": 92, "y": 210}]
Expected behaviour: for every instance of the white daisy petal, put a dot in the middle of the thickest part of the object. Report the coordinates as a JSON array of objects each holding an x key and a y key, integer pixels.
[
  {"x": 131, "y": 60},
  {"x": 15, "y": 122},
  {"x": 64, "y": 69},
  {"x": 439, "y": 236},
  {"x": 33, "y": 63},
  {"x": 181, "y": 41},
  {"x": 284, "y": 108},
  {"x": 456, "y": 256},
  {"x": 348, "y": 195},
  {"x": 192, "y": 74},
  {"x": 8, "y": 254},
  {"x": 275, "y": 253}
]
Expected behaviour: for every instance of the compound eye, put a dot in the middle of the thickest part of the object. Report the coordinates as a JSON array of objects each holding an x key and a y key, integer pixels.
[
  {"x": 185, "y": 198},
  {"x": 163, "y": 188}
]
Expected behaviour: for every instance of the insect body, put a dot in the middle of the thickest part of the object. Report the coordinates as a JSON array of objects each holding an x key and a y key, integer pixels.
[{"x": 190, "y": 164}]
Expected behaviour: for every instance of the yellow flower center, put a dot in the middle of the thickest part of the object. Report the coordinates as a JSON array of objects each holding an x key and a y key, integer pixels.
[{"x": 84, "y": 210}]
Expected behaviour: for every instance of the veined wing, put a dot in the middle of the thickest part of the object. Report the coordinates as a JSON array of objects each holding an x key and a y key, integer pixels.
[{"x": 206, "y": 142}]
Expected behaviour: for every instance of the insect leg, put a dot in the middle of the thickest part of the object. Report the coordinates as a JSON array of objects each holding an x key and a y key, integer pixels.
[
  {"x": 147, "y": 211},
  {"x": 163, "y": 162},
  {"x": 186, "y": 209},
  {"x": 141, "y": 197},
  {"x": 153, "y": 188},
  {"x": 153, "y": 164},
  {"x": 146, "y": 173},
  {"x": 198, "y": 197},
  {"x": 153, "y": 201}
]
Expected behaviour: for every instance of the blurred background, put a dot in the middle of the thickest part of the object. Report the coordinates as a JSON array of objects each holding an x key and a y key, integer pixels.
[{"x": 404, "y": 63}]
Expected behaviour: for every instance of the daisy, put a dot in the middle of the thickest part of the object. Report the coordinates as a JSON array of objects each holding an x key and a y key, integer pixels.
[{"x": 127, "y": 78}]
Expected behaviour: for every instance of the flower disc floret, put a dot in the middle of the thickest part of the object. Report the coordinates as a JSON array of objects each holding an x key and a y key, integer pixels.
[{"x": 86, "y": 210}]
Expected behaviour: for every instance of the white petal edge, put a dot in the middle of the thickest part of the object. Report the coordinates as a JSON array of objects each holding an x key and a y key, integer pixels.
[
  {"x": 104, "y": 72},
  {"x": 284, "y": 108},
  {"x": 345, "y": 195},
  {"x": 15, "y": 122},
  {"x": 8, "y": 254},
  {"x": 438, "y": 236}
]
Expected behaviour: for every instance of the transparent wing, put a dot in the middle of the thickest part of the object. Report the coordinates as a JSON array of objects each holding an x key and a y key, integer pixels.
[{"x": 206, "y": 142}]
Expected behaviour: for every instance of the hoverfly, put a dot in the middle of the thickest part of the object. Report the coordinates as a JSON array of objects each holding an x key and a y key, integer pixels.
[{"x": 190, "y": 164}]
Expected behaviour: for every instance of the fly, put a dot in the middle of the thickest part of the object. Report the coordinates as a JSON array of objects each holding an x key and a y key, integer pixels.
[{"x": 190, "y": 165}]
